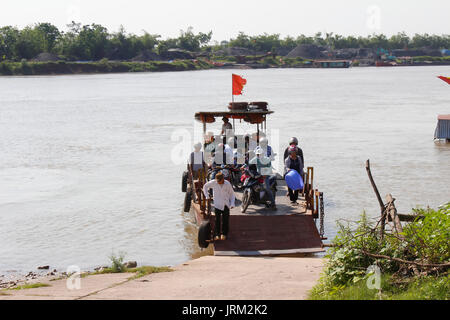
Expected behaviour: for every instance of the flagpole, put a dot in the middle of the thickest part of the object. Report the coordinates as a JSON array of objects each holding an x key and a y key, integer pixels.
[{"x": 232, "y": 95}]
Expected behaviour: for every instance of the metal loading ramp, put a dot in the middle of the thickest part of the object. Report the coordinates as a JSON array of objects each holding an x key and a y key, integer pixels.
[{"x": 254, "y": 235}]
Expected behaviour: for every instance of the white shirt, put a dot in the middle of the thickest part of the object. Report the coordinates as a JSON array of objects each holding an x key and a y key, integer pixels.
[
  {"x": 229, "y": 152},
  {"x": 223, "y": 194}
]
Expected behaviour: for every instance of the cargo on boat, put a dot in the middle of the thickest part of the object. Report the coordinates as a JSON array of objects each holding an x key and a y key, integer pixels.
[{"x": 257, "y": 229}]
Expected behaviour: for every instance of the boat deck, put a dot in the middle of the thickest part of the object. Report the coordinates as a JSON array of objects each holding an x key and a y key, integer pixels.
[
  {"x": 263, "y": 231},
  {"x": 284, "y": 206}
]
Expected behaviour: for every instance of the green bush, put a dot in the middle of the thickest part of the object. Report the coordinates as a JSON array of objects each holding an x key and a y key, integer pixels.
[
  {"x": 346, "y": 261},
  {"x": 117, "y": 264},
  {"x": 5, "y": 68},
  {"x": 426, "y": 240},
  {"x": 429, "y": 238}
]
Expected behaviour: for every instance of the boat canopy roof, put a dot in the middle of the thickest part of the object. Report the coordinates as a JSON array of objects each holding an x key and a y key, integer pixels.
[
  {"x": 444, "y": 117},
  {"x": 254, "y": 116}
]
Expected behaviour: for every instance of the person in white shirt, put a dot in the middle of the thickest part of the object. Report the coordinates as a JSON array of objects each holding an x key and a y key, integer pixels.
[
  {"x": 224, "y": 200},
  {"x": 196, "y": 160}
]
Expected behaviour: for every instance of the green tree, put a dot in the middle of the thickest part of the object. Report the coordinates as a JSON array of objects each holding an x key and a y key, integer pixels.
[
  {"x": 94, "y": 41},
  {"x": 399, "y": 41},
  {"x": 8, "y": 39},
  {"x": 266, "y": 42},
  {"x": 149, "y": 41},
  {"x": 192, "y": 42},
  {"x": 30, "y": 43},
  {"x": 242, "y": 40},
  {"x": 50, "y": 34}
]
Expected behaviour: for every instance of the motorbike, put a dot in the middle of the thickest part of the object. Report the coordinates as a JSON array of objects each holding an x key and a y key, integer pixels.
[
  {"x": 225, "y": 169},
  {"x": 254, "y": 189},
  {"x": 230, "y": 173}
]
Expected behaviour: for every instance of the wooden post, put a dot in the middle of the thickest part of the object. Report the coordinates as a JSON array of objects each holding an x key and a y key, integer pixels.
[
  {"x": 380, "y": 202},
  {"x": 374, "y": 186},
  {"x": 392, "y": 212},
  {"x": 316, "y": 209}
]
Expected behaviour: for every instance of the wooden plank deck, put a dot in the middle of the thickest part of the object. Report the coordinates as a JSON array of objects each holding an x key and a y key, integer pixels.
[{"x": 263, "y": 231}]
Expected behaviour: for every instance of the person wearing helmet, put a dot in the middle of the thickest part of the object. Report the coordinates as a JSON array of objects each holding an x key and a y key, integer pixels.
[
  {"x": 293, "y": 162},
  {"x": 264, "y": 168},
  {"x": 196, "y": 160},
  {"x": 299, "y": 152},
  {"x": 264, "y": 144}
]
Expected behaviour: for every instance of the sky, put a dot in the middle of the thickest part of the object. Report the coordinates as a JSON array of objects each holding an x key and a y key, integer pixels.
[{"x": 227, "y": 18}]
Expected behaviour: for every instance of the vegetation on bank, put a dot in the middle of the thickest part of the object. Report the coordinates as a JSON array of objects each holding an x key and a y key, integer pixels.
[
  {"x": 413, "y": 264},
  {"x": 30, "y": 286},
  {"x": 102, "y": 66},
  {"x": 429, "y": 58},
  {"x": 118, "y": 266},
  {"x": 94, "y": 42}
]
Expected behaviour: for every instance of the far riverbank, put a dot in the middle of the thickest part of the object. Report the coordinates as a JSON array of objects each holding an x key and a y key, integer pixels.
[{"x": 35, "y": 68}]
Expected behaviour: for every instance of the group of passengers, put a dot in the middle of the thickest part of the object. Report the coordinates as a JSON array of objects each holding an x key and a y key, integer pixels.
[{"x": 257, "y": 155}]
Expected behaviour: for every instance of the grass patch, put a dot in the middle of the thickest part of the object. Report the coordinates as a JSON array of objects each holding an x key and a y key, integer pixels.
[
  {"x": 139, "y": 271},
  {"x": 117, "y": 266},
  {"x": 146, "y": 270},
  {"x": 421, "y": 288},
  {"x": 30, "y": 286}
]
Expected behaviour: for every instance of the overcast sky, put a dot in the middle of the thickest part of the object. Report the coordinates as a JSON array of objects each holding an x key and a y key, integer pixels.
[{"x": 227, "y": 17}]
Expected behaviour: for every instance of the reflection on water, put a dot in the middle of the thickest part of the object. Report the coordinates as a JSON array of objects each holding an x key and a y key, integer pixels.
[
  {"x": 189, "y": 241},
  {"x": 85, "y": 161}
]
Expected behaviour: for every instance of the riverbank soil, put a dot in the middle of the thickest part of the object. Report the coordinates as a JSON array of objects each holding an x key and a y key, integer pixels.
[{"x": 209, "y": 277}]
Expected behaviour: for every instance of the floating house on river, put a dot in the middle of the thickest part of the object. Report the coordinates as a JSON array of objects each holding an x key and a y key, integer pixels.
[{"x": 443, "y": 127}]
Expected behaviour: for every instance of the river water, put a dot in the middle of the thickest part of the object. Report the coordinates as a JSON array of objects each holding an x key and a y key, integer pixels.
[{"x": 86, "y": 164}]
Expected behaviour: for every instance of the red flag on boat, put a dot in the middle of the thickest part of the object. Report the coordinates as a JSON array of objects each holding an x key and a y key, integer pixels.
[
  {"x": 238, "y": 84},
  {"x": 446, "y": 79}
]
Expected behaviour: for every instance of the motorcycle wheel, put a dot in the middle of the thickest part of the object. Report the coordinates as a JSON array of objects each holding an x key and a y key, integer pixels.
[{"x": 245, "y": 200}]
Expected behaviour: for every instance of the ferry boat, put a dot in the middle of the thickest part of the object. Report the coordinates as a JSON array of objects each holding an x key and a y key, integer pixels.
[
  {"x": 289, "y": 230},
  {"x": 331, "y": 64}
]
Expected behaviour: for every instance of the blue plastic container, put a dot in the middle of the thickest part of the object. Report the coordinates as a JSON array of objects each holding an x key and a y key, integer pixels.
[{"x": 294, "y": 180}]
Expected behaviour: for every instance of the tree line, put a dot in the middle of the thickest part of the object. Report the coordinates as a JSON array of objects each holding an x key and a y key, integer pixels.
[{"x": 95, "y": 42}]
